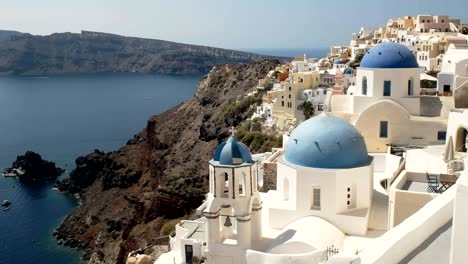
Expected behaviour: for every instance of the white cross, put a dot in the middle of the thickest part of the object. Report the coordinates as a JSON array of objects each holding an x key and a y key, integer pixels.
[{"x": 232, "y": 130}]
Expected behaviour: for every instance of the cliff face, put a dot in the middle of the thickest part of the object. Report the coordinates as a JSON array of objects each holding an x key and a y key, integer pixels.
[
  {"x": 7, "y": 34},
  {"x": 92, "y": 52},
  {"x": 161, "y": 174}
]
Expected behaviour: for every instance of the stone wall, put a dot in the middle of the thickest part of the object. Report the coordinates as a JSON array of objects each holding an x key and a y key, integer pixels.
[
  {"x": 430, "y": 106},
  {"x": 269, "y": 176}
]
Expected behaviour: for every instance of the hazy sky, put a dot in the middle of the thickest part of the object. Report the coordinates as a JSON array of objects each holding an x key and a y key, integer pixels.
[{"x": 220, "y": 23}]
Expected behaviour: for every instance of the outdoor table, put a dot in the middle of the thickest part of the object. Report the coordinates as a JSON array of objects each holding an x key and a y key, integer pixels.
[{"x": 446, "y": 181}]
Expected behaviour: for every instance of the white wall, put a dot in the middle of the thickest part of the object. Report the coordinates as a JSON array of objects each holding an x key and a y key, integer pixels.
[
  {"x": 402, "y": 128},
  {"x": 405, "y": 203},
  {"x": 333, "y": 184},
  {"x": 457, "y": 121},
  {"x": 458, "y": 252},
  {"x": 256, "y": 257},
  {"x": 392, "y": 163},
  {"x": 398, "y": 77},
  {"x": 397, "y": 243},
  {"x": 444, "y": 79},
  {"x": 357, "y": 103}
]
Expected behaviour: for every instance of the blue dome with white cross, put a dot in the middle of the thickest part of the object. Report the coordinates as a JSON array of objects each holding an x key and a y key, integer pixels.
[
  {"x": 232, "y": 152},
  {"x": 327, "y": 142}
]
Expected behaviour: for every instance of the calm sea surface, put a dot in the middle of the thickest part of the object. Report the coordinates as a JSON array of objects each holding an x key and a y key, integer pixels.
[{"x": 62, "y": 118}]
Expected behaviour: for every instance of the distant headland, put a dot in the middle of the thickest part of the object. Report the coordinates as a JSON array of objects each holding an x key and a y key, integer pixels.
[{"x": 23, "y": 54}]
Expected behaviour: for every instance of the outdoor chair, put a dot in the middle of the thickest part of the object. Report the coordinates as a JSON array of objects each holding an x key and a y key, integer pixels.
[{"x": 432, "y": 183}]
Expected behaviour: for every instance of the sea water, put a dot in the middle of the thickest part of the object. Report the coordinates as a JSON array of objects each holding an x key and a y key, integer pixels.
[{"x": 62, "y": 118}]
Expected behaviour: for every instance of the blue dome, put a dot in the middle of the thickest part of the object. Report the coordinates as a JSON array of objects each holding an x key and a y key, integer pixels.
[
  {"x": 389, "y": 55},
  {"x": 338, "y": 61},
  {"x": 232, "y": 152},
  {"x": 326, "y": 142},
  {"x": 348, "y": 71}
]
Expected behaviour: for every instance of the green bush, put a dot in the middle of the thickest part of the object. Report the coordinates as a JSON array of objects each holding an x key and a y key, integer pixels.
[
  {"x": 239, "y": 109},
  {"x": 428, "y": 84},
  {"x": 257, "y": 140},
  {"x": 168, "y": 229}
]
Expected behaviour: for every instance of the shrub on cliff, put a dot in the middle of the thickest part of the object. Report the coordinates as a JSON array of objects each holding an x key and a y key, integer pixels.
[
  {"x": 250, "y": 133},
  {"x": 237, "y": 110}
]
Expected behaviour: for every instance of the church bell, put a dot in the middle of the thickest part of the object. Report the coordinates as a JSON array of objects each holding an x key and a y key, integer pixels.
[{"x": 227, "y": 223}]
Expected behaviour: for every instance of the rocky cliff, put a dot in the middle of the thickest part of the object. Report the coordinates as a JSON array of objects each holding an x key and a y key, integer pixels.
[
  {"x": 161, "y": 174},
  {"x": 7, "y": 34},
  {"x": 93, "y": 52}
]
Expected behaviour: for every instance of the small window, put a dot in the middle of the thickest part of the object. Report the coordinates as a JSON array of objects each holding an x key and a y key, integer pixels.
[
  {"x": 289, "y": 88},
  {"x": 387, "y": 88},
  {"x": 188, "y": 253},
  {"x": 410, "y": 87},
  {"x": 282, "y": 103},
  {"x": 316, "y": 198},
  {"x": 364, "y": 85},
  {"x": 289, "y": 96},
  {"x": 446, "y": 88},
  {"x": 441, "y": 135},
  {"x": 383, "y": 129}
]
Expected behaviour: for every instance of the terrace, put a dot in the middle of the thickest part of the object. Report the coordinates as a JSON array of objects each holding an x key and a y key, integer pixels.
[{"x": 412, "y": 190}]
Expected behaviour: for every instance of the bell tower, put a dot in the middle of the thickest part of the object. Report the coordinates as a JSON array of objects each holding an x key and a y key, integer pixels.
[{"x": 233, "y": 210}]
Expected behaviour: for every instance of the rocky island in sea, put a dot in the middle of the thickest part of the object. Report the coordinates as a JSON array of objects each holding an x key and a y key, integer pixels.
[{"x": 30, "y": 167}]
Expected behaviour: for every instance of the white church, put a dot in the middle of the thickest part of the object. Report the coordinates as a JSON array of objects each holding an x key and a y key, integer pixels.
[
  {"x": 336, "y": 202},
  {"x": 386, "y": 105}
]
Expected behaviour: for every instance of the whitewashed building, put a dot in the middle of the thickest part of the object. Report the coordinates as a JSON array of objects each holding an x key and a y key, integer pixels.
[
  {"x": 385, "y": 104},
  {"x": 454, "y": 70}
]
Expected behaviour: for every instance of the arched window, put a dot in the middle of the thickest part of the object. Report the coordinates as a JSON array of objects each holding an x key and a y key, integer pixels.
[
  {"x": 364, "y": 85},
  {"x": 222, "y": 185},
  {"x": 242, "y": 184},
  {"x": 410, "y": 87},
  {"x": 226, "y": 185}
]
